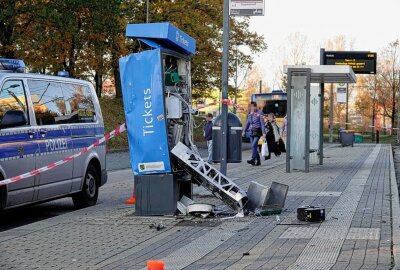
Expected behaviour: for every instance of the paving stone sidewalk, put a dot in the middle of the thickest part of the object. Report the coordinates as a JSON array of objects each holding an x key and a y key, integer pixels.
[{"x": 357, "y": 186}]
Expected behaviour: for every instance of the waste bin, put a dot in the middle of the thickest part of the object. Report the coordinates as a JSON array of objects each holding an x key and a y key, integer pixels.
[
  {"x": 340, "y": 130},
  {"x": 234, "y": 139},
  {"x": 358, "y": 138},
  {"x": 347, "y": 137}
]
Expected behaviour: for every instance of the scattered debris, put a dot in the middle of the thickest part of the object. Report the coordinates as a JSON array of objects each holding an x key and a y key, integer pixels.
[
  {"x": 311, "y": 213},
  {"x": 268, "y": 212},
  {"x": 158, "y": 226},
  {"x": 201, "y": 209},
  {"x": 241, "y": 230},
  {"x": 183, "y": 204},
  {"x": 263, "y": 197},
  {"x": 182, "y": 208}
]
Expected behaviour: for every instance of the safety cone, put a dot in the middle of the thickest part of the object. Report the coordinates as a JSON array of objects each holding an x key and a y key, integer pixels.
[
  {"x": 131, "y": 200},
  {"x": 155, "y": 265}
]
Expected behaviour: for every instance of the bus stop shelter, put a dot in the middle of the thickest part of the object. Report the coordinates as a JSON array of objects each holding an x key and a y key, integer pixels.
[{"x": 305, "y": 107}]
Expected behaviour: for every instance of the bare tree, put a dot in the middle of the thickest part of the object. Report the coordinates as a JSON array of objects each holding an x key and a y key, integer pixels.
[
  {"x": 252, "y": 84},
  {"x": 389, "y": 73},
  {"x": 295, "y": 51},
  {"x": 337, "y": 43}
]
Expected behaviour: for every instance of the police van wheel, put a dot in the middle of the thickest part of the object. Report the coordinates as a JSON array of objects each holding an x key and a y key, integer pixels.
[{"x": 90, "y": 191}]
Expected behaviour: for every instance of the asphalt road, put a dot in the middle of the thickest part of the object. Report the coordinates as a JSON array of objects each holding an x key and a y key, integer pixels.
[{"x": 117, "y": 160}]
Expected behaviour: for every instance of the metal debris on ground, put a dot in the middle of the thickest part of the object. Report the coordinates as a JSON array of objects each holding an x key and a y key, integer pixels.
[
  {"x": 158, "y": 226},
  {"x": 201, "y": 209},
  {"x": 264, "y": 197}
]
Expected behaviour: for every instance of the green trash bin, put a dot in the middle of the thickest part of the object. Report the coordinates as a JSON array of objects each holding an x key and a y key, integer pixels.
[{"x": 358, "y": 138}]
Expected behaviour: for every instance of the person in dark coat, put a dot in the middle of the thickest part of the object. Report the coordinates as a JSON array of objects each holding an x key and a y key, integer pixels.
[
  {"x": 255, "y": 121},
  {"x": 208, "y": 135},
  {"x": 272, "y": 136}
]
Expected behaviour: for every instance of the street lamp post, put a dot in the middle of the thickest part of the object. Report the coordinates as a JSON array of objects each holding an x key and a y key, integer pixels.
[
  {"x": 224, "y": 139},
  {"x": 236, "y": 80}
]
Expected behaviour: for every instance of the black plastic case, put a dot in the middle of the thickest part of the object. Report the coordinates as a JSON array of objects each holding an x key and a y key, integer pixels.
[{"x": 311, "y": 213}]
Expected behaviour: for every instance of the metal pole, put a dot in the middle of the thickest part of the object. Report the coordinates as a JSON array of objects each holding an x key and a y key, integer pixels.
[
  {"x": 288, "y": 119},
  {"x": 260, "y": 86},
  {"x": 147, "y": 11},
  {"x": 236, "y": 80},
  {"x": 347, "y": 106},
  {"x": 331, "y": 115},
  {"x": 307, "y": 127},
  {"x": 224, "y": 142},
  {"x": 321, "y": 112}
]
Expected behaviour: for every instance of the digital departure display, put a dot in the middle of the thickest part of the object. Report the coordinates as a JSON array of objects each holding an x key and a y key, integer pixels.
[{"x": 361, "y": 62}]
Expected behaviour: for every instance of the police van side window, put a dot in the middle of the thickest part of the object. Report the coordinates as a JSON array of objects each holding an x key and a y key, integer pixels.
[
  {"x": 12, "y": 98},
  {"x": 79, "y": 103},
  {"x": 48, "y": 102}
]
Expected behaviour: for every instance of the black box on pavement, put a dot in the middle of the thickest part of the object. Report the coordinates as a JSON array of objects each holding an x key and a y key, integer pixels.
[{"x": 311, "y": 213}]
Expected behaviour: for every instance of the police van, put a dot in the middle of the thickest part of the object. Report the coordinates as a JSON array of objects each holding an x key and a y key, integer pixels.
[{"x": 44, "y": 119}]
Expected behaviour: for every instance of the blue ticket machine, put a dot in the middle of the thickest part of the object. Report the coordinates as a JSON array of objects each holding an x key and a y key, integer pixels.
[{"x": 156, "y": 88}]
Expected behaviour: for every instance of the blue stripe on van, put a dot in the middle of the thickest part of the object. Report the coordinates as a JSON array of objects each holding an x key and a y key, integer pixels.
[
  {"x": 18, "y": 149},
  {"x": 18, "y": 145}
]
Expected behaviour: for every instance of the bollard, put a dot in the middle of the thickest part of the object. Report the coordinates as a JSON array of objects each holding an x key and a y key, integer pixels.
[
  {"x": 155, "y": 265},
  {"x": 377, "y": 136}
]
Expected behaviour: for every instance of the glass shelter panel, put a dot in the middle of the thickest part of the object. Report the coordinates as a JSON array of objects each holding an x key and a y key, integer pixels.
[
  {"x": 299, "y": 110},
  {"x": 315, "y": 101}
]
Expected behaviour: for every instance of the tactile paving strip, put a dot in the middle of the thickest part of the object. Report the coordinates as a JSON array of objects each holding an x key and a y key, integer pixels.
[
  {"x": 364, "y": 233},
  {"x": 299, "y": 232},
  {"x": 338, "y": 232},
  {"x": 324, "y": 247},
  {"x": 339, "y": 218},
  {"x": 311, "y": 266},
  {"x": 321, "y": 250},
  {"x": 198, "y": 248},
  {"x": 314, "y": 193}
]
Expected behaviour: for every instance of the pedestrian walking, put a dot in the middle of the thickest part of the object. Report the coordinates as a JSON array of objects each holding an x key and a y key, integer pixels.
[
  {"x": 283, "y": 133},
  {"x": 208, "y": 135},
  {"x": 284, "y": 129},
  {"x": 272, "y": 136},
  {"x": 255, "y": 122}
]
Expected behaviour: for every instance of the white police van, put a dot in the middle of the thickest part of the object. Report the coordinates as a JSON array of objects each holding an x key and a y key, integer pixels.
[{"x": 44, "y": 119}]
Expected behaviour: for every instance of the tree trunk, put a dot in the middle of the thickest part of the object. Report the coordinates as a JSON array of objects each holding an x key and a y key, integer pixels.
[
  {"x": 100, "y": 85},
  {"x": 96, "y": 83},
  {"x": 7, "y": 26},
  {"x": 384, "y": 124},
  {"x": 393, "y": 108},
  {"x": 117, "y": 81},
  {"x": 373, "y": 121}
]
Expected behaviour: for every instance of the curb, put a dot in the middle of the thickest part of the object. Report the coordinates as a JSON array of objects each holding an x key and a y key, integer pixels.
[{"x": 395, "y": 213}]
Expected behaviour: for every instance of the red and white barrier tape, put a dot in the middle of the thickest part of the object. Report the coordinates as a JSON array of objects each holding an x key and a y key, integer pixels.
[{"x": 106, "y": 137}]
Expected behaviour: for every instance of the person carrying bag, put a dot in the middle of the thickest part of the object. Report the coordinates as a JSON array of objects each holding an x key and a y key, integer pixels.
[{"x": 255, "y": 121}]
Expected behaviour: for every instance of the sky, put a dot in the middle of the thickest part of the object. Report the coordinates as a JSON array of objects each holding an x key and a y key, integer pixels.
[{"x": 371, "y": 24}]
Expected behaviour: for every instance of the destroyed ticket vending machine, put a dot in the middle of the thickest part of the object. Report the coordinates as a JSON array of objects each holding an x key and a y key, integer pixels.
[{"x": 156, "y": 87}]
